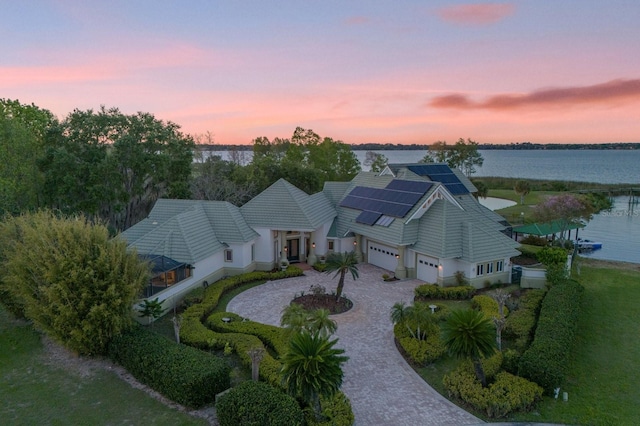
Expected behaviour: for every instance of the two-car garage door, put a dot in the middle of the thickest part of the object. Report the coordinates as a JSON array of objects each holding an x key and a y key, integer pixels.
[
  {"x": 382, "y": 256},
  {"x": 427, "y": 269}
]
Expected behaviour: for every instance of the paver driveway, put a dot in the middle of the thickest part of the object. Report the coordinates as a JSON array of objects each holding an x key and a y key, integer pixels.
[{"x": 382, "y": 387}]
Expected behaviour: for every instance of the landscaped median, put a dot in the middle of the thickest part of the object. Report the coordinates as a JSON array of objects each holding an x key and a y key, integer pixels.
[{"x": 204, "y": 329}]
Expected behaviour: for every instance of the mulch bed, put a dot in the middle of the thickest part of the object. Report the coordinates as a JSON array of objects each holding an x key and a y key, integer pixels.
[{"x": 324, "y": 301}]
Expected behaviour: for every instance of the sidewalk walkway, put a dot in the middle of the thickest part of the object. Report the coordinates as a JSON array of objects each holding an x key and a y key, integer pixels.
[{"x": 382, "y": 387}]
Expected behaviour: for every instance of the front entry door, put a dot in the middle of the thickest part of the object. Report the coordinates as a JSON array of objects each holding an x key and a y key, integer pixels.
[{"x": 293, "y": 250}]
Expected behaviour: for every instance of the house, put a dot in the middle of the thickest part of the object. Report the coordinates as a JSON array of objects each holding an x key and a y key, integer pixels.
[{"x": 414, "y": 220}]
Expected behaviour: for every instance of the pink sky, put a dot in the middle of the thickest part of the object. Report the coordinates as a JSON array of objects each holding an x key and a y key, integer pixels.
[{"x": 398, "y": 72}]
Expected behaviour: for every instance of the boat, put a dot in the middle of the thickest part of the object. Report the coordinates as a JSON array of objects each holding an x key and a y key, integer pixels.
[{"x": 588, "y": 244}]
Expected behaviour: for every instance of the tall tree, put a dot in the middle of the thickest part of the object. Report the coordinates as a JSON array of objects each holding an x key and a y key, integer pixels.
[
  {"x": 462, "y": 155},
  {"x": 469, "y": 334},
  {"x": 312, "y": 368},
  {"x": 522, "y": 188},
  {"x": 22, "y": 132},
  {"x": 341, "y": 263},
  {"x": 565, "y": 209},
  {"x": 375, "y": 161},
  {"x": 114, "y": 166}
]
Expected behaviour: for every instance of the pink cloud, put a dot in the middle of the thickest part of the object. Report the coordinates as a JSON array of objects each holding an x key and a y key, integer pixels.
[
  {"x": 476, "y": 13},
  {"x": 604, "y": 93}
]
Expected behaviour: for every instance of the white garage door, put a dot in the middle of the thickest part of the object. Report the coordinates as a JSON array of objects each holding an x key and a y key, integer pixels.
[
  {"x": 382, "y": 256},
  {"x": 427, "y": 269}
]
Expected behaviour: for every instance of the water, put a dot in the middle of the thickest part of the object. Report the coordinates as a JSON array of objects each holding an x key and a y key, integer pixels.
[
  {"x": 618, "y": 230},
  {"x": 603, "y": 166}
]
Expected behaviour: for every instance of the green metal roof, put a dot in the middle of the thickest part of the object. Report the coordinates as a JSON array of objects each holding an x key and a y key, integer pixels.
[
  {"x": 282, "y": 206},
  {"x": 546, "y": 228}
]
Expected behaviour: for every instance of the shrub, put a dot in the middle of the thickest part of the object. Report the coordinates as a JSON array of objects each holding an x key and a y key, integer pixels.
[
  {"x": 183, "y": 374},
  {"x": 272, "y": 336},
  {"x": 488, "y": 306},
  {"x": 434, "y": 291},
  {"x": 72, "y": 280},
  {"x": 552, "y": 256},
  {"x": 546, "y": 359},
  {"x": 422, "y": 352},
  {"x": 257, "y": 403},
  {"x": 506, "y": 394},
  {"x": 320, "y": 267},
  {"x": 336, "y": 410},
  {"x": 534, "y": 241}
]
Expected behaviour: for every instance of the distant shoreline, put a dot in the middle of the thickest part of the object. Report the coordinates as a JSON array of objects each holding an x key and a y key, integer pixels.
[{"x": 515, "y": 146}]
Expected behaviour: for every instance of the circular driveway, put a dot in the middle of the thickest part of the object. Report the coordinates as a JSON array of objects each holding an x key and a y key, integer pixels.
[{"x": 382, "y": 387}]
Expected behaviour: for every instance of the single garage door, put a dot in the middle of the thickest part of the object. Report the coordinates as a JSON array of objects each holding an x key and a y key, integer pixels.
[
  {"x": 382, "y": 256},
  {"x": 427, "y": 269}
]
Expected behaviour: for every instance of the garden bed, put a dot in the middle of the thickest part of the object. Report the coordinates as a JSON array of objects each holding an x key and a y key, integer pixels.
[{"x": 312, "y": 302}]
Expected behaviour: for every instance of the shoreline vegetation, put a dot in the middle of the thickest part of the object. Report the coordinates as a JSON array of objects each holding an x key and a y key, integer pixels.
[{"x": 514, "y": 146}]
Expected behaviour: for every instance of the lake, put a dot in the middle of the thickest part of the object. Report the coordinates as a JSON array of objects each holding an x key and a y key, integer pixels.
[{"x": 618, "y": 230}]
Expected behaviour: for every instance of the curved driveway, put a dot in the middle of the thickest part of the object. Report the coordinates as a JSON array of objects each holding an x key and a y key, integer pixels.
[{"x": 382, "y": 387}]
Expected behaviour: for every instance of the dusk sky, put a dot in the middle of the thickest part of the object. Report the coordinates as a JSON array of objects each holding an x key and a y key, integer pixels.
[{"x": 358, "y": 71}]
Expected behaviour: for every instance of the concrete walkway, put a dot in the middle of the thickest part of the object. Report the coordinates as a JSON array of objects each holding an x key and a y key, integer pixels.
[{"x": 382, "y": 387}]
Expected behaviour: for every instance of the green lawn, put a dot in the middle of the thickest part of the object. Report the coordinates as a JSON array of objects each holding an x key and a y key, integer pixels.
[
  {"x": 34, "y": 393},
  {"x": 514, "y": 213},
  {"x": 604, "y": 376}
]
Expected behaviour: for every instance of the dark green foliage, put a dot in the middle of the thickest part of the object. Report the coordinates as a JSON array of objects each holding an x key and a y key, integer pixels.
[
  {"x": 421, "y": 352},
  {"x": 74, "y": 282},
  {"x": 256, "y": 403},
  {"x": 271, "y": 336},
  {"x": 506, "y": 394},
  {"x": 552, "y": 256},
  {"x": 469, "y": 334},
  {"x": 546, "y": 359},
  {"x": 434, "y": 291},
  {"x": 336, "y": 411},
  {"x": 312, "y": 367},
  {"x": 534, "y": 240},
  {"x": 488, "y": 306},
  {"x": 183, "y": 374},
  {"x": 521, "y": 322}
]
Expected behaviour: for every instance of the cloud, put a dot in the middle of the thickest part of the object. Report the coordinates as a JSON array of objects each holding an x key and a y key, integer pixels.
[
  {"x": 476, "y": 13},
  {"x": 609, "y": 92}
]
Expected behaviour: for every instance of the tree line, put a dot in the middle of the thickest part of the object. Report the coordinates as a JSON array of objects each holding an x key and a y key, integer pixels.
[{"x": 111, "y": 167}]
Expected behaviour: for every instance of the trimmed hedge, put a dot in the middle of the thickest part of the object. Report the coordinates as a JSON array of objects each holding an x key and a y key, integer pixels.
[
  {"x": 434, "y": 291},
  {"x": 183, "y": 374},
  {"x": 272, "y": 336},
  {"x": 488, "y": 306},
  {"x": 421, "y": 352},
  {"x": 336, "y": 410},
  {"x": 257, "y": 403},
  {"x": 546, "y": 359},
  {"x": 506, "y": 394},
  {"x": 521, "y": 322}
]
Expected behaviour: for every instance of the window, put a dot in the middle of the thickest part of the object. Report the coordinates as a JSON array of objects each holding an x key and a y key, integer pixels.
[
  {"x": 479, "y": 269},
  {"x": 331, "y": 245},
  {"x": 500, "y": 266},
  {"x": 490, "y": 268},
  {"x": 253, "y": 252},
  {"x": 228, "y": 255}
]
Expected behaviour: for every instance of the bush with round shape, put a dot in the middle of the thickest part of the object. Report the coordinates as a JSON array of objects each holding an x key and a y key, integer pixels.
[{"x": 257, "y": 403}]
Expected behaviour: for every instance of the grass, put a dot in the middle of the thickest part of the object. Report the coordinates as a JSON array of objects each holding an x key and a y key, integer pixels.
[
  {"x": 514, "y": 214},
  {"x": 35, "y": 393},
  {"x": 604, "y": 376}
]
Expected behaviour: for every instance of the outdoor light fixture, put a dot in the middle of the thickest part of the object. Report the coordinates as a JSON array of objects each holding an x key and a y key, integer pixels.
[
  {"x": 355, "y": 243},
  {"x": 313, "y": 245},
  {"x": 285, "y": 249}
]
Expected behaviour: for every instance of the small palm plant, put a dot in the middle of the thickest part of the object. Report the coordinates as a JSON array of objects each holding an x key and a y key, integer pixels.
[
  {"x": 312, "y": 368},
  {"x": 469, "y": 334},
  {"x": 417, "y": 318},
  {"x": 296, "y": 319},
  {"x": 341, "y": 263},
  {"x": 151, "y": 309}
]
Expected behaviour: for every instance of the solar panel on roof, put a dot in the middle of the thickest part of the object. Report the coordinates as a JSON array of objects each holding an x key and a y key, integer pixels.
[
  {"x": 457, "y": 188},
  {"x": 409, "y": 186},
  {"x": 368, "y": 218}
]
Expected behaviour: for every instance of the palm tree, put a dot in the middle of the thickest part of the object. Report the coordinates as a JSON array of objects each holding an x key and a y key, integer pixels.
[
  {"x": 469, "y": 334},
  {"x": 522, "y": 188},
  {"x": 400, "y": 314},
  {"x": 312, "y": 368},
  {"x": 341, "y": 263},
  {"x": 319, "y": 322}
]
